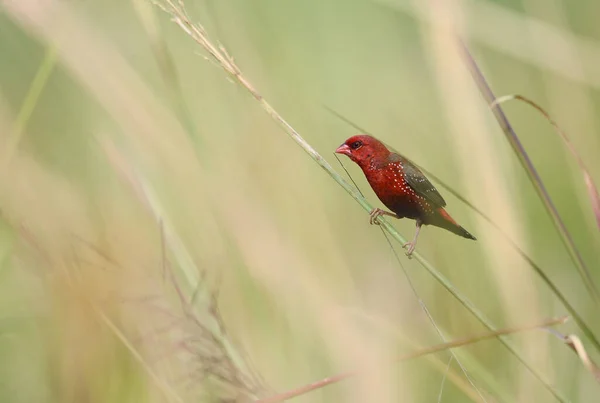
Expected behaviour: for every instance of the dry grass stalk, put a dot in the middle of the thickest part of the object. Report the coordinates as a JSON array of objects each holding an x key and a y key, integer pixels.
[
  {"x": 575, "y": 343},
  {"x": 210, "y": 344},
  {"x": 420, "y": 353}
]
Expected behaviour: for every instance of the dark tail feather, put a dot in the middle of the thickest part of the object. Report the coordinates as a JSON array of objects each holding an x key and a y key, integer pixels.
[
  {"x": 463, "y": 232},
  {"x": 443, "y": 220}
]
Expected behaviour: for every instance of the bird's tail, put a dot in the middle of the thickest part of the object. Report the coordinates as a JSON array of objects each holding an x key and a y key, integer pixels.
[{"x": 443, "y": 220}]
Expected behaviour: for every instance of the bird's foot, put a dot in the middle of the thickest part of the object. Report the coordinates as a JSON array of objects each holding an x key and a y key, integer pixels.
[
  {"x": 411, "y": 248},
  {"x": 376, "y": 212}
]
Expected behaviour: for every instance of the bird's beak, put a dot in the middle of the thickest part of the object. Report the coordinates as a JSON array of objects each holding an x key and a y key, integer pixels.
[{"x": 344, "y": 149}]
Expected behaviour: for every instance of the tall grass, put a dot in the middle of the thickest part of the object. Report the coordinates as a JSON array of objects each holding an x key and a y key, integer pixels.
[{"x": 133, "y": 130}]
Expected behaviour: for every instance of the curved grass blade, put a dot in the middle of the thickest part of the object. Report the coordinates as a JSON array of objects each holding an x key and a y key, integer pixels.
[
  {"x": 553, "y": 287},
  {"x": 532, "y": 173},
  {"x": 589, "y": 183},
  {"x": 575, "y": 344}
]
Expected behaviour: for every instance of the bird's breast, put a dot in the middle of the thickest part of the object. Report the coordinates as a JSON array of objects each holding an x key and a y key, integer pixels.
[{"x": 391, "y": 187}]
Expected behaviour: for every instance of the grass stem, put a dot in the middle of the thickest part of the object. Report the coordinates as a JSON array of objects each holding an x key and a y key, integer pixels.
[{"x": 197, "y": 33}]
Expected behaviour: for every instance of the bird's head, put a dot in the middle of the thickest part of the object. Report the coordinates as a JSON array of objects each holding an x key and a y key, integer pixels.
[{"x": 362, "y": 149}]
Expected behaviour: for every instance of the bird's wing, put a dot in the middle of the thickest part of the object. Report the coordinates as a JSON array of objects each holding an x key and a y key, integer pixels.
[{"x": 419, "y": 182}]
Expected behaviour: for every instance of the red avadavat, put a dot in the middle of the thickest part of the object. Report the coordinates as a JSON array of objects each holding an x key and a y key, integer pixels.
[{"x": 401, "y": 186}]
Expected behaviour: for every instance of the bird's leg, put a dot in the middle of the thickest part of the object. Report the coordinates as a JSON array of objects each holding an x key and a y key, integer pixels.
[
  {"x": 376, "y": 212},
  {"x": 411, "y": 245}
]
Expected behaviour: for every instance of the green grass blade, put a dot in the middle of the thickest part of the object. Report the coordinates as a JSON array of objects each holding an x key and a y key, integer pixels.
[
  {"x": 593, "y": 194},
  {"x": 533, "y": 175},
  {"x": 31, "y": 100},
  {"x": 536, "y": 268}
]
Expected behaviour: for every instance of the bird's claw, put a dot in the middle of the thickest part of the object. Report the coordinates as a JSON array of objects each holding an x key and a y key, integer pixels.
[
  {"x": 411, "y": 248},
  {"x": 376, "y": 212}
]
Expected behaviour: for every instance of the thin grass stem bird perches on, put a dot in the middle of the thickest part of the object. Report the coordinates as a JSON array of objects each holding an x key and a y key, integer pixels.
[
  {"x": 401, "y": 186},
  {"x": 180, "y": 17}
]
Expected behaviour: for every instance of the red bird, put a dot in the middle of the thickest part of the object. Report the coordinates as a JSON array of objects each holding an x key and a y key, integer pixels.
[{"x": 401, "y": 186}]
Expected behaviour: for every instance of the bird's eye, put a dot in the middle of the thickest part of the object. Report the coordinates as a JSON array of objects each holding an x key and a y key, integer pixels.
[{"x": 356, "y": 145}]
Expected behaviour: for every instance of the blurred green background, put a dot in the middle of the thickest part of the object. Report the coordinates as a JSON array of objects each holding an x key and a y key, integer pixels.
[{"x": 128, "y": 155}]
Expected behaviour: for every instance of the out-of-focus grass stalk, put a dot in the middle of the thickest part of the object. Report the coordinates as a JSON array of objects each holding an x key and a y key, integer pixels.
[
  {"x": 533, "y": 175},
  {"x": 164, "y": 60},
  {"x": 419, "y": 353},
  {"x": 484, "y": 377},
  {"x": 587, "y": 177},
  {"x": 193, "y": 281},
  {"x": 197, "y": 33},
  {"x": 169, "y": 393},
  {"x": 553, "y": 287},
  {"x": 31, "y": 99}
]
